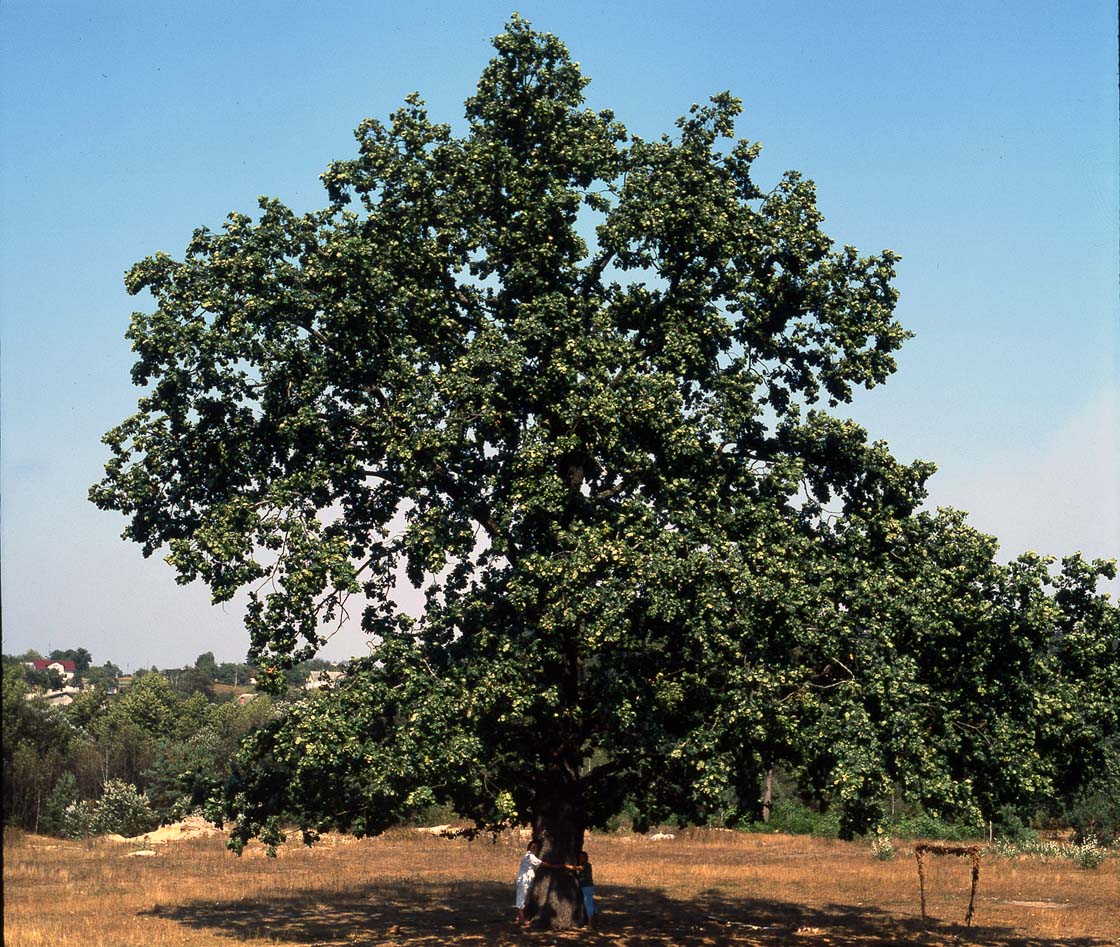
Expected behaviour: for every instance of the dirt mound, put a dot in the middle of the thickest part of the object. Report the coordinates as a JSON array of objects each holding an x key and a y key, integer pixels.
[{"x": 192, "y": 827}]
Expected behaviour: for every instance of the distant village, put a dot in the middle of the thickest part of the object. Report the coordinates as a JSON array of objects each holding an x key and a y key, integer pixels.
[{"x": 58, "y": 679}]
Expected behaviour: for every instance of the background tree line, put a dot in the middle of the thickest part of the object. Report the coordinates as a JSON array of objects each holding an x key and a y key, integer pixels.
[
  {"x": 150, "y": 746},
  {"x": 1035, "y": 654}
]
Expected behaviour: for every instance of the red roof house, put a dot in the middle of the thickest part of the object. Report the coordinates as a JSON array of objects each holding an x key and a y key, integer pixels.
[{"x": 66, "y": 668}]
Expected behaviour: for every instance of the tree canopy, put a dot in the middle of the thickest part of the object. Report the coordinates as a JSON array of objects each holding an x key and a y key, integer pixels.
[
  {"x": 80, "y": 656},
  {"x": 581, "y": 386}
]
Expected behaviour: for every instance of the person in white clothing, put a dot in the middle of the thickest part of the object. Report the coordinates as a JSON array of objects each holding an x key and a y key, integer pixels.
[{"x": 526, "y": 872}]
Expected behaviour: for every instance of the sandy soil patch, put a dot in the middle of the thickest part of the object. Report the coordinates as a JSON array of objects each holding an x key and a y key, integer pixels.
[{"x": 190, "y": 828}]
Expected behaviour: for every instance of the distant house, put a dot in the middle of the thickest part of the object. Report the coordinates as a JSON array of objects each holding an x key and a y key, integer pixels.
[
  {"x": 59, "y": 698},
  {"x": 319, "y": 679},
  {"x": 65, "y": 669}
]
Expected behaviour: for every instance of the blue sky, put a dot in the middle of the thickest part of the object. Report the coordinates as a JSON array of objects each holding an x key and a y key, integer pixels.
[{"x": 979, "y": 140}]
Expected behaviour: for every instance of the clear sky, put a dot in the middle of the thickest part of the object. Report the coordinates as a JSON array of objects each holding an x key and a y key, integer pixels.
[{"x": 978, "y": 139}]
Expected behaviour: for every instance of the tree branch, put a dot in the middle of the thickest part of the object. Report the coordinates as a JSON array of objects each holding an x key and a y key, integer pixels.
[
  {"x": 480, "y": 511},
  {"x": 595, "y": 271}
]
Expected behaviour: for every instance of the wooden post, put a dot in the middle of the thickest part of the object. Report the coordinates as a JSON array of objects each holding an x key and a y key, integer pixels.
[
  {"x": 919, "y": 851},
  {"x": 975, "y": 881}
]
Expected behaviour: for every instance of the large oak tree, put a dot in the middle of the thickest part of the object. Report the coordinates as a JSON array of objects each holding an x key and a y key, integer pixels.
[{"x": 578, "y": 384}]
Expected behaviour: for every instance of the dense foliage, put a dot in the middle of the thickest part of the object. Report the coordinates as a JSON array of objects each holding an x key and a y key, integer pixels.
[
  {"x": 97, "y": 755},
  {"x": 579, "y": 384}
]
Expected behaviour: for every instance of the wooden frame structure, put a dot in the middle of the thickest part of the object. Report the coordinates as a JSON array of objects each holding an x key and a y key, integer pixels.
[{"x": 972, "y": 851}]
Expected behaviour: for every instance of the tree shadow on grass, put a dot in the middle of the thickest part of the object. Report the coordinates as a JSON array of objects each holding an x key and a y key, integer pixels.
[{"x": 421, "y": 914}]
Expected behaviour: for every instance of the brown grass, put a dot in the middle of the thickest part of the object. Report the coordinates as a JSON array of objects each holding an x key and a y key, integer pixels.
[{"x": 702, "y": 888}]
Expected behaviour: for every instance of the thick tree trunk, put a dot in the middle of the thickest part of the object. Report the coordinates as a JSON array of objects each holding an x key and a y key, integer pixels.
[{"x": 555, "y": 901}]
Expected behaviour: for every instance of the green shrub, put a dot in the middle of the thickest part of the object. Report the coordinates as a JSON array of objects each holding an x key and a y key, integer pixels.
[
  {"x": 1008, "y": 825},
  {"x": 882, "y": 848},
  {"x": 795, "y": 818},
  {"x": 77, "y": 819},
  {"x": 1088, "y": 853},
  {"x": 1096, "y": 813},
  {"x": 123, "y": 810},
  {"x": 435, "y": 814},
  {"x": 924, "y": 825},
  {"x": 64, "y": 793}
]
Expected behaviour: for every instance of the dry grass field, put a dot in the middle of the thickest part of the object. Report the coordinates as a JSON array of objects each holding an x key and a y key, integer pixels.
[{"x": 702, "y": 888}]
